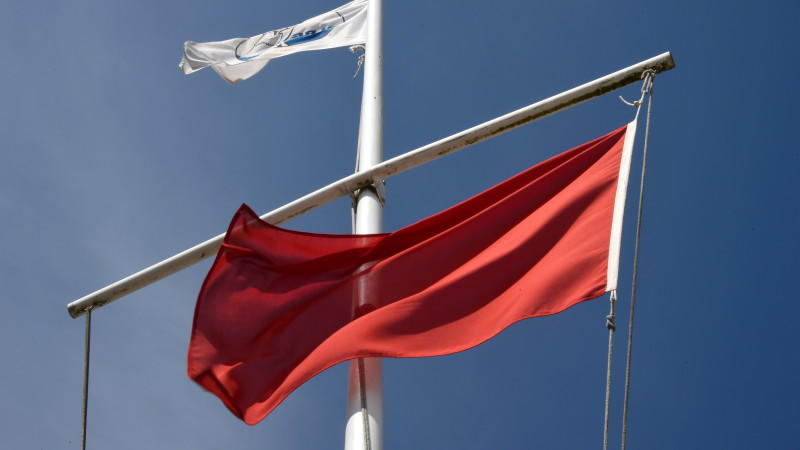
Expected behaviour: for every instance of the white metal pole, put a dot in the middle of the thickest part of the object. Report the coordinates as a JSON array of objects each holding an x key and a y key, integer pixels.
[
  {"x": 386, "y": 169},
  {"x": 364, "y": 428}
]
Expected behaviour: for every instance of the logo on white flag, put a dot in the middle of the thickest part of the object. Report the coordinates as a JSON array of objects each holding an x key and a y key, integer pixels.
[{"x": 240, "y": 58}]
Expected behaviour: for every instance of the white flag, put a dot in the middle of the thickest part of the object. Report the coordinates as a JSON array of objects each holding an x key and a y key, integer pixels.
[{"x": 240, "y": 58}]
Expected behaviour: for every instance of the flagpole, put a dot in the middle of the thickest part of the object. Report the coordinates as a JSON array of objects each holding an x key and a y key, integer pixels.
[{"x": 364, "y": 429}]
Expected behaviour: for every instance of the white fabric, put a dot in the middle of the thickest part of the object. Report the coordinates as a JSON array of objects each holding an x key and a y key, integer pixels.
[
  {"x": 619, "y": 207},
  {"x": 240, "y": 58}
]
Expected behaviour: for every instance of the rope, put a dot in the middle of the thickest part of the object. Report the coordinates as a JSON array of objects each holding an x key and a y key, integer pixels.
[
  {"x": 612, "y": 327},
  {"x": 360, "y": 61},
  {"x": 360, "y": 366},
  {"x": 363, "y": 393},
  {"x": 647, "y": 88},
  {"x": 87, "y": 342}
]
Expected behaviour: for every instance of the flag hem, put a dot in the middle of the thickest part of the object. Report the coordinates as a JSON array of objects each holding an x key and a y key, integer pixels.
[{"x": 619, "y": 207}]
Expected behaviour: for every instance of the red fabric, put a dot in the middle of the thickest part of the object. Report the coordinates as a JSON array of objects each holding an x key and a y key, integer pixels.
[{"x": 277, "y": 306}]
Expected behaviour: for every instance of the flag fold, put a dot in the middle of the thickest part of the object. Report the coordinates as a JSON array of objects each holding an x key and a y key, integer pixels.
[
  {"x": 238, "y": 59},
  {"x": 278, "y": 306}
]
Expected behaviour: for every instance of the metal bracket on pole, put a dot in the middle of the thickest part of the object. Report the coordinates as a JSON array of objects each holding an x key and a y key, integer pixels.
[{"x": 378, "y": 187}]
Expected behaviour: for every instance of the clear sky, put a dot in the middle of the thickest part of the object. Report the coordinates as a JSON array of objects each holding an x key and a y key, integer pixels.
[{"x": 113, "y": 160}]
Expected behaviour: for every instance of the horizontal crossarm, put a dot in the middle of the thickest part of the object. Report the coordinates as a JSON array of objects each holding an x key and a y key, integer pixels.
[{"x": 386, "y": 169}]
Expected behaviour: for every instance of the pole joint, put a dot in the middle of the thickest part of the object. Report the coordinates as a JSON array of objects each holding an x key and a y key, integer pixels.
[{"x": 378, "y": 187}]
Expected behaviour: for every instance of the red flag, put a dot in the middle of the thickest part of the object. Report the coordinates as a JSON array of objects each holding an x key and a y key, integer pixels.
[{"x": 278, "y": 306}]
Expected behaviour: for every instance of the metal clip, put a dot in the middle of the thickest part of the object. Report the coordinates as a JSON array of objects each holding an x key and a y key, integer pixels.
[{"x": 647, "y": 86}]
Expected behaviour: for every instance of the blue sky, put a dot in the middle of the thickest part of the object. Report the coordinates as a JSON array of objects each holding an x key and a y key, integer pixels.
[{"x": 113, "y": 160}]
